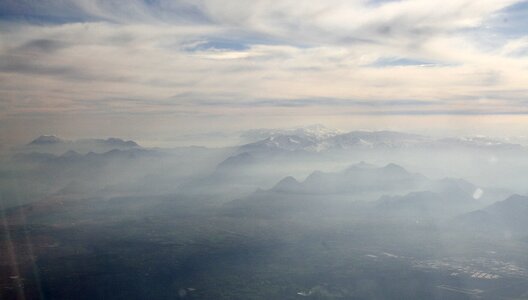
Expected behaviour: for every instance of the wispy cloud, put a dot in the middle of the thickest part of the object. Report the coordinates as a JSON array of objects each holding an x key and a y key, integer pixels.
[{"x": 239, "y": 57}]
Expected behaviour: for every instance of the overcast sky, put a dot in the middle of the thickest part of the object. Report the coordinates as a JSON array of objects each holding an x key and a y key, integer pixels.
[{"x": 158, "y": 70}]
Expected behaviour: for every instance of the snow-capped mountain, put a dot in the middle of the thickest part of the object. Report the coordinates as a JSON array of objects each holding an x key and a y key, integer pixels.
[
  {"x": 319, "y": 138},
  {"x": 312, "y": 133},
  {"x": 281, "y": 142},
  {"x": 374, "y": 139}
]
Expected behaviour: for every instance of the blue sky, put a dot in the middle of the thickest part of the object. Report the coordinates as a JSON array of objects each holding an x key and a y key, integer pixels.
[{"x": 166, "y": 68}]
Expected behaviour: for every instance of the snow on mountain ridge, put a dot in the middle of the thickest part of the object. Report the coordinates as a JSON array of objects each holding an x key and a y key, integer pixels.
[
  {"x": 313, "y": 133},
  {"x": 319, "y": 138}
]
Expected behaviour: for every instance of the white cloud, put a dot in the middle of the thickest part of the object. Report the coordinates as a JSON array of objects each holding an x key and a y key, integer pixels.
[{"x": 135, "y": 58}]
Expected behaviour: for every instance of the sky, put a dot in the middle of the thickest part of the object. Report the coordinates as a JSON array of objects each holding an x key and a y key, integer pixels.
[{"x": 159, "y": 70}]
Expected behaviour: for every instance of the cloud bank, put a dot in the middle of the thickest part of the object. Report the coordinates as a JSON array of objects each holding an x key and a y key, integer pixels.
[{"x": 222, "y": 59}]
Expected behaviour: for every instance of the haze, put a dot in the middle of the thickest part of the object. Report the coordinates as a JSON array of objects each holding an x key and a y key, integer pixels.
[{"x": 369, "y": 149}]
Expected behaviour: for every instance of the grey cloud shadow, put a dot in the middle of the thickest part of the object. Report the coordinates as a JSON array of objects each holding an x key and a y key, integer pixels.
[{"x": 43, "y": 45}]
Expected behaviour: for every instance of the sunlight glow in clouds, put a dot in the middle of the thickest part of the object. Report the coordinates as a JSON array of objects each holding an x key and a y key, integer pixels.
[{"x": 190, "y": 60}]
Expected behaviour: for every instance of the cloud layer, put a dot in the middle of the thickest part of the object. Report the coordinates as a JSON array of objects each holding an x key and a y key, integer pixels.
[{"x": 209, "y": 58}]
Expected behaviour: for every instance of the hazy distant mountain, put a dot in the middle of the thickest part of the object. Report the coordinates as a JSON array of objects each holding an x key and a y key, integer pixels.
[
  {"x": 75, "y": 157},
  {"x": 239, "y": 174},
  {"x": 504, "y": 217},
  {"x": 56, "y": 145},
  {"x": 114, "y": 142},
  {"x": 358, "y": 190},
  {"x": 427, "y": 204},
  {"x": 232, "y": 163},
  {"x": 455, "y": 185},
  {"x": 357, "y": 178},
  {"x": 46, "y": 140},
  {"x": 288, "y": 185}
]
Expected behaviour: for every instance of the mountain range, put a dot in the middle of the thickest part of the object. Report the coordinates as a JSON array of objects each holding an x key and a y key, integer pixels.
[
  {"x": 56, "y": 145},
  {"x": 388, "y": 192},
  {"x": 320, "y": 139},
  {"x": 354, "y": 179}
]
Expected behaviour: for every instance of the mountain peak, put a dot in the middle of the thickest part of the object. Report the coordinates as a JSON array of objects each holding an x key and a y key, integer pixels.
[
  {"x": 361, "y": 165},
  {"x": 392, "y": 167},
  {"x": 120, "y": 142},
  {"x": 311, "y": 134},
  {"x": 287, "y": 184},
  {"x": 240, "y": 159},
  {"x": 46, "y": 140}
]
